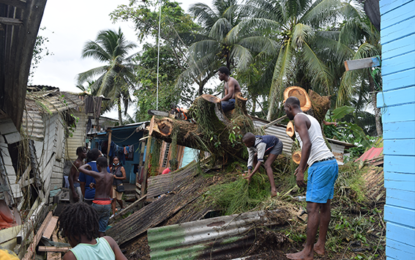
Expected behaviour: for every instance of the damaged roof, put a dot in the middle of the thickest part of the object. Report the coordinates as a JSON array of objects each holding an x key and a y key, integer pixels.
[{"x": 42, "y": 102}]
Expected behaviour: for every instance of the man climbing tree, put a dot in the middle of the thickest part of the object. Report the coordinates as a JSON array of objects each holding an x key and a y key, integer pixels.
[
  {"x": 322, "y": 174},
  {"x": 231, "y": 89}
]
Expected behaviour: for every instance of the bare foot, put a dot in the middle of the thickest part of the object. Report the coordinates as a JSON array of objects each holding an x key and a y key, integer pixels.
[
  {"x": 318, "y": 249},
  {"x": 301, "y": 256},
  {"x": 273, "y": 193}
]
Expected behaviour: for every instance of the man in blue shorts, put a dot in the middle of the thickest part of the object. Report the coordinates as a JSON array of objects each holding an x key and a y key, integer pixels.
[
  {"x": 232, "y": 88},
  {"x": 322, "y": 174}
]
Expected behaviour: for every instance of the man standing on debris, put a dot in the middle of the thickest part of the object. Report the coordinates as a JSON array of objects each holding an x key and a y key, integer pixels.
[
  {"x": 231, "y": 89},
  {"x": 103, "y": 193},
  {"x": 259, "y": 146},
  {"x": 78, "y": 222},
  {"x": 322, "y": 174},
  {"x": 74, "y": 185},
  {"x": 86, "y": 180}
]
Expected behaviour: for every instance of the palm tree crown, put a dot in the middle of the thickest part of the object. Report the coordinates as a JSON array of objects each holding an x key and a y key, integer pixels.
[{"x": 116, "y": 77}]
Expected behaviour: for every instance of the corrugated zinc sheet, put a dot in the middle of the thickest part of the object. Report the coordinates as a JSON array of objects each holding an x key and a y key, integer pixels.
[
  {"x": 278, "y": 131},
  {"x": 214, "y": 238},
  {"x": 370, "y": 154},
  {"x": 397, "y": 100}
]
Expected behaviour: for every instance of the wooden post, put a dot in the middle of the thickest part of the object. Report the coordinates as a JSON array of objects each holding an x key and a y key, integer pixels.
[
  {"x": 144, "y": 183},
  {"x": 109, "y": 145},
  {"x": 32, "y": 248}
]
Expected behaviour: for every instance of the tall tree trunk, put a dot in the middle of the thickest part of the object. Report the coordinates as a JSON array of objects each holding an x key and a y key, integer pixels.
[
  {"x": 201, "y": 85},
  {"x": 379, "y": 129},
  {"x": 253, "y": 105},
  {"x": 119, "y": 111}
]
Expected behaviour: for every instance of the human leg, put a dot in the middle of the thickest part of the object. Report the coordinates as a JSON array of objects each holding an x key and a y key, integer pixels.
[
  {"x": 312, "y": 227},
  {"x": 104, "y": 212},
  {"x": 268, "y": 168},
  {"x": 119, "y": 199},
  {"x": 325, "y": 215},
  {"x": 113, "y": 203},
  {"x": 228, "y": 105}
]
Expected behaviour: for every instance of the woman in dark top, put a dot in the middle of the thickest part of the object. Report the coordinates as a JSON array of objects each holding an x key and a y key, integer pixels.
[{"x": 119, "y": 174}]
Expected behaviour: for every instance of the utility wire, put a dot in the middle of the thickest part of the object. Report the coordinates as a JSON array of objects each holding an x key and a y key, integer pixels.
[{"x": 158, "y": 57}]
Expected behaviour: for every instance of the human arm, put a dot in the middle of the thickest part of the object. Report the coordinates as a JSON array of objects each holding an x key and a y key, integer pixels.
[
  {"x": 70, "y": 256},
  {"x": 72, "y": 179},
  {"x": 329, "y": 123},
  {"x": 124, "y": 176},
  {"x": 229, "y": 92},
  {"x": 300, "y": 123},
  {"x": 86, "y": 168},
  {"x": 261, "y": 147},
  {"x": 114, "y": 246},
  {"x": 82, "y": 181}
]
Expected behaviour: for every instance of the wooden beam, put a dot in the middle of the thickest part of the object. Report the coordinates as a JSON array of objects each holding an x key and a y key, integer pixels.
[
  {"x": 53, "y": 249},
  {"x": 50, "y": 228},
  {"x": 10, "y": 21},
  {"x": 109, "y": 145},
  {"x": 362, "y": 63},
  {"x": 128, "y": 209},
  {"x": 32, "y": 247},
  {"x": 147, "y": 163},
  {"x": 15, "y": 3}
]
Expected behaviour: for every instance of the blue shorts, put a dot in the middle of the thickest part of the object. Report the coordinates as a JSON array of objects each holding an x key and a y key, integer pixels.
[
  {"x": 228, "y": 105},
  {"x": 104, "y": 213},
  {"x": 321, "y": 179}
]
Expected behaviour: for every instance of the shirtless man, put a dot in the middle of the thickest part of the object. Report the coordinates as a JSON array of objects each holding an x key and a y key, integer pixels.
[
  {"x": 103, "y": 191},
  {"x": 322, "y": 174},
  {"x": 74, "y": 185},
  {"x": 231, "y": 89}
]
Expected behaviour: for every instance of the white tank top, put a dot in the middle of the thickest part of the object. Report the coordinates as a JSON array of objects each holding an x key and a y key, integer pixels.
[{"x": 319, "y": 149}]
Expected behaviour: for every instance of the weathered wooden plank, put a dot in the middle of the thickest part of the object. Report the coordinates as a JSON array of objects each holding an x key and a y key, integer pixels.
[
  {"x": 9, "y": 233},
  {"x": 399, "y": 113},
  {"x": 53, "y": 249},
  {"x": 399, "y": 130},
  {"x": 400, "y": 233},
  {"x": 401, "y": 198},
  {"x": 50, "y": 227},
  {"x": 56, "y": 175},
  {"x": 400, "y": 14},
  {"x": 10, "y": 170},
  {"x": 16, "y": 190},
  {"x": 10, "y": 245},
  {"x": 361, "y": 63},
  {"x": 399, "y": 80},
  {"x": 398, "y": 250},
  {"x": 2, "y": 139},
  {"x": 12, "y": 179},
  {"x": 396, "y": 97},
  {"x": 399, "y": 63},
  {"x": 400, "y": 215},
  {"x": 28, "y": 182},
  {"x": 399, "y": 147},
  {"x": 13, "y": 138},
  {"x": 6, "y": 158},
  {"x": 399, "y": 47},
  {"x": 15, "y": 3},
  {"x": 7, "y": 127},
  {"x": 32, "y": 247},
  {"x": 10, "y": 21},
  {"x": 386, "y": 6},
  {"x": 397, "y": 31}
]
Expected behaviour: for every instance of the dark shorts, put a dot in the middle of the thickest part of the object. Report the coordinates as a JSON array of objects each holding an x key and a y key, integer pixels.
[
  {"x": 321, "y": 179},
  {"x": 277, "y": 148},
  {"x": 104, "y": 213},
  {"x": 228, "y": 105}
]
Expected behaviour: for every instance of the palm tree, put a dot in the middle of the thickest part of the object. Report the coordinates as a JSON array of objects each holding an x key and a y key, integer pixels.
[
  {"x": 295, "y": 27},
  {"x": 116, "y": 77}
]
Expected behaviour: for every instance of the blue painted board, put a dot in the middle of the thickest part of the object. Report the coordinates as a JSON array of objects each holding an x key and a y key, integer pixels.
[
  {"x": 399, "y": 47},
  {"x": 398, "y": 80},
  {"x": 398, "y": 113},
  {"x": 386, "y": 6},
  {"x": 399, "y": 63},
  {"x": 397, "y": 31},
  {"x": 399, "y": 14},
  {"x": 398, "y": 250},
  {"x": 400, "y": 215},
  {"x": 399, "y": 147},
  {"x": 401, "y": 164},
  {"x": 396, "y": 97},
  {"x": 399, "y": 130},
  {"x": 400, "y": 198},
  {"x": 400, "y": 233}
]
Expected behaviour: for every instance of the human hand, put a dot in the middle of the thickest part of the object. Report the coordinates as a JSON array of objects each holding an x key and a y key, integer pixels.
[
  {"x": 300, "y": 178},
  {"x": 75, "y": 196},
  {"x": 248, "y": 177},
  {"x": 88, "y": 167},
  {"x": 92, "y": 185}
]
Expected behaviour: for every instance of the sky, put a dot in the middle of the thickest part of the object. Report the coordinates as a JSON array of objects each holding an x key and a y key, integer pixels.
[{"x": 69, "y": 25}]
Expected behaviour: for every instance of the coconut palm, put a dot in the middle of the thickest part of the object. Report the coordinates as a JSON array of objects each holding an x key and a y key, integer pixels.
[
  {"x": 296, "y": 27},
  {"x": 116, "y": 77}
]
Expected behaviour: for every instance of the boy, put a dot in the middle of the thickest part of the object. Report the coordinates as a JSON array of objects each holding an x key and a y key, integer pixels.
[
  {"x": 79, "y": 223},
  {"x": 74, "y": 185},
  {"x": 103, "y": 191},
  {"x": 259, "y": 146}
]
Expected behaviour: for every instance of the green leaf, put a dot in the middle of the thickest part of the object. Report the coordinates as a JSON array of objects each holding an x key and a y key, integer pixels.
[{"x": 340, "y": 112}]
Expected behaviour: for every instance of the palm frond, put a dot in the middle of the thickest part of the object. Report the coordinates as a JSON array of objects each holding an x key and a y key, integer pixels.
[{"x": 90, "y": 74}]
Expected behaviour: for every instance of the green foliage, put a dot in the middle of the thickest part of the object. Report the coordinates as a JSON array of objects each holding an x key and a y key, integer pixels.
[
  {"x": 237, "y": 196},
  {"x": 40, "y": 51},
  {"x": 340, "y": 112},
  {"x": 350, "y": 185}
]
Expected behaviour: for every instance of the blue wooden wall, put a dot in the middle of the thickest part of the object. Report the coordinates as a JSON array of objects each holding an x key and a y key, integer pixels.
[{"x": 398, "y": 116}]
